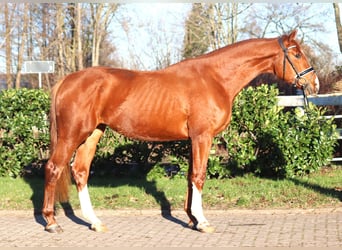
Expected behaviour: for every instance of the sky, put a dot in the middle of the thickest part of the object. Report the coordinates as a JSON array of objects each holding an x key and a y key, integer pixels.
[
  {"x": 149, "y": 25},
  {"x": 160, "y": 25}
]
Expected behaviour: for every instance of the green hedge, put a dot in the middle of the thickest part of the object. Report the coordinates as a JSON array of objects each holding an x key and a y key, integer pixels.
[
  {"x": 262, "y": 138},
  {"x": 24, "y": 134},
  {"x": 266, "y": 140}
]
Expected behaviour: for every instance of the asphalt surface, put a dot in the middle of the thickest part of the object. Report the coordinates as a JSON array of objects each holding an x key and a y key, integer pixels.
[{"x": 148, "y": 228}]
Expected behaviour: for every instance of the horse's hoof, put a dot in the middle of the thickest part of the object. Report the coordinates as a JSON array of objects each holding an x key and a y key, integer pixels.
[
  {"x": 191, "y": 225},
  {"x": 99, "y": 227},
  {"x": 207, "y": 229},
  {"x": 203, "y": 228},
  {"x": 54, "y": 228}
]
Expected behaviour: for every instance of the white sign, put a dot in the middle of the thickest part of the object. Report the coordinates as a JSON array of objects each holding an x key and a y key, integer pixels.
[
  {"x": 35, "y": 67},
  {"x": 38, "y": 67}
]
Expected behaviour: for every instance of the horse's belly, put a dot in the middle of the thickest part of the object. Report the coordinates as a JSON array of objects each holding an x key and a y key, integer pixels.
[
  {"x": 149, "y": 110},
  {"x": 152, "y": 125}
]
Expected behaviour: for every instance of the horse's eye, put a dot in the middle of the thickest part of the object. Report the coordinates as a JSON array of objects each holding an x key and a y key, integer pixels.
[{"x": 298, "y": 55}]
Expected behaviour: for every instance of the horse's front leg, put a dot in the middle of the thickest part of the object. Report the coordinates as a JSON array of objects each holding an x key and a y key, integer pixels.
[
  {"x": 197, "y": 171},
  {"x": 80, "y": 171}
]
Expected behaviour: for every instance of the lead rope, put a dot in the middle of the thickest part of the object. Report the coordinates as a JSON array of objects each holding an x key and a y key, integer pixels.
[{"x": 306, "y": 102}]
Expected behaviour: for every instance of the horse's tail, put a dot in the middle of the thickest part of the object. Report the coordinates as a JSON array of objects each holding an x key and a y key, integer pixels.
[{"x": 64, "y": 181}]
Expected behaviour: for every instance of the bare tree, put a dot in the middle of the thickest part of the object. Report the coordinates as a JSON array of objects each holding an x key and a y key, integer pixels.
[
  {"x": 22, "y": 43},
  {"x": 223, "y": 18},
  {"x": 59, "y": 41},
  {"x": 79, "y": 35},
  {"x": 338, "y": 24},
  {"x": 8, "y": 31},
  {"x": 212, "y": 26},
  {"x": 101, "y": 15},
  {"x": 68, "y": 38},
  {"x": 278, "y": 19},
  {"x": 196, "y": 39},
  {"x": 63, "y": 32},
  {"x": 165, "y": 55}
]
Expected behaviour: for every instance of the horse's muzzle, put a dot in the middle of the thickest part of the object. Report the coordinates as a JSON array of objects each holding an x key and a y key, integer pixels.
[{"x": 308, "y": 88}]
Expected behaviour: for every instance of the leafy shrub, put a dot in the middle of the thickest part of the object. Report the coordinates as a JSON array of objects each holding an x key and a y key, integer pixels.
[
  {"x": 264, "y": 139},
  {"x": 24, "y": 135},
  {"x": 306, "y": 141},
  {"x": 177, "y": 167}
]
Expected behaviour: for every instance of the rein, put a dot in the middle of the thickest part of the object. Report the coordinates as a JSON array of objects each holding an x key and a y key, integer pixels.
[{"x": 299, "y": 75}]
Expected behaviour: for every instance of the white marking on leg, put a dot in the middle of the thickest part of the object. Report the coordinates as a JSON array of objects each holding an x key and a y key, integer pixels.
[
  {"x": 86, "y": 207},
  {"x": 196, "y": 206}
]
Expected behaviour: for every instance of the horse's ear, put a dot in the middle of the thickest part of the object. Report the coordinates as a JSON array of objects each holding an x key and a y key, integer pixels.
[{"x": 293, "y": 35}]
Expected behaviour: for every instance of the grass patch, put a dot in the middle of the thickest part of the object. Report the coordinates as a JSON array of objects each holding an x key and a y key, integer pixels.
[{"x": 322, "y": 189}]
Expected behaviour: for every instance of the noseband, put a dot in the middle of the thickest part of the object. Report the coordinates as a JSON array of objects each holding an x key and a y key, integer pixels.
[{"x": 299, "y": 75}]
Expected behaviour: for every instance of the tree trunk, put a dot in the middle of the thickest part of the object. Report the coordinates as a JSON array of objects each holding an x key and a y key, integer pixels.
[
  {"x": 73, "y": 45},
  {"x": 233, "y": 32},
  {"x": 101, "y": 16},
  {"x": 198, "y": 24},
  {"x": 59, "y": 30},
  {"x": 79, "y": 35},
  {"x": 22, "y": 45},
  {"x": 8, "y": 31},
  {"x": 96, "y": 13},
  {"x": 338, "y": 24}
]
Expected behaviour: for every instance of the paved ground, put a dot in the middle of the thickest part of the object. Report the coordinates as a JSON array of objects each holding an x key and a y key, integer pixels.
[{"x": 238, "y": 228}]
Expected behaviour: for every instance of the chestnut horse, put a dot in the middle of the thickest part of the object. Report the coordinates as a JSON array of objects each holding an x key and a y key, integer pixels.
[{"x": 190, "y": 100}]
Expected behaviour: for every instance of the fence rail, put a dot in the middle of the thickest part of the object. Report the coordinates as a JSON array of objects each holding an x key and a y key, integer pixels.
[{"x": 319, "y": 100}]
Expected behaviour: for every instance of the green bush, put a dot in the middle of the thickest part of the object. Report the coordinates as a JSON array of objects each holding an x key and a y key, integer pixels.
[
  {"x": 24, "y": 135},
  {"x": 306, "y": 141},
  {"x": 264, "y": 139}
]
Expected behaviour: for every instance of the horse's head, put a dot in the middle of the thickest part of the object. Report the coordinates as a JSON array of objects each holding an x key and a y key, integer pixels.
[{"x": 294, "y": 67}]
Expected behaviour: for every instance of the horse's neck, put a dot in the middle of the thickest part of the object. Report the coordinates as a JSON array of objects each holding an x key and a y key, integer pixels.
[{"x": 237, "y": 66}]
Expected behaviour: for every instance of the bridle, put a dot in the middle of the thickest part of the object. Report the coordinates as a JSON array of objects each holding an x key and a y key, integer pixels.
[{"x": 299, "y": 75}]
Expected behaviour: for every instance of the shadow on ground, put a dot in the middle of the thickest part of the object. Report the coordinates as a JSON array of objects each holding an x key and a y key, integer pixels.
[
  {"x": 37, "y": 185},
  {"x": 332, "y": 192}
]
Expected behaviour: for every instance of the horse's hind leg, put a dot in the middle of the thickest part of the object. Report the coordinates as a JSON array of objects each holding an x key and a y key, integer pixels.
[
  {"x": 56, "y": 169},
  {"x": 80, "y": 170}
]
